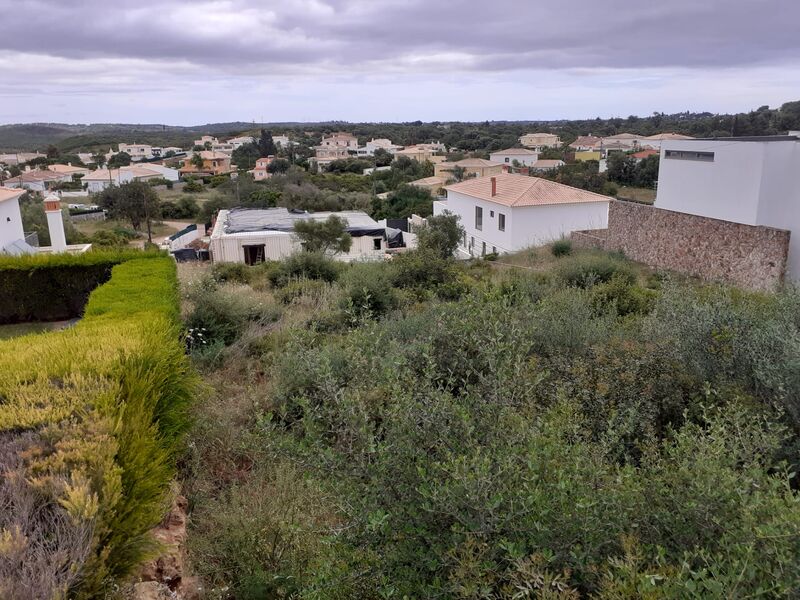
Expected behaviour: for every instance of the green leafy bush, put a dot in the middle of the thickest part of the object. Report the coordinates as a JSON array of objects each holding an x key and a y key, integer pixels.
[
  {"x": 586, "y": 270},
  {"x": 304, "y": 265},
  {"x": 561, "y": 247},
  {"x": 223, "y": 272},
  {"x": 368, "y": 292}
]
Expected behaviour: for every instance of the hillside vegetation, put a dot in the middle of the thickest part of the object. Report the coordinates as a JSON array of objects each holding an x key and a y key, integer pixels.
[{"x": 575, "y": 427}]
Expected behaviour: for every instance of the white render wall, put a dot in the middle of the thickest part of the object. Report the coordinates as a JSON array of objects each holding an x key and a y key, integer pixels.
[
  {"x": 10, "y": 222},
  {"x": 749, "y": 182},
  {"x": 278, "y": 245},
  {"x": 525, "y": 225},
  {"x": 524, "y": 159}
]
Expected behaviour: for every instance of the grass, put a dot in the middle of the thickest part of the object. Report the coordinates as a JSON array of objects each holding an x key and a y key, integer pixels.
[
  {"x": 643, "y": 195},
  {"x": 20, "y": 329}
]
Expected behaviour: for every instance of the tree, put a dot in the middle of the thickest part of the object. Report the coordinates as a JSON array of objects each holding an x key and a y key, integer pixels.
[
  {"x": 99, "y": 159},
  {"x": 383, "y": 158},
  {"x": 197, "y": 160},
  {"x": 324, "y": 236},
  {"x": 279, "y": 165},
  {"x": 53, "y": 152},
  {"x": 646, "y": 173},
  {"x": 245, "y": 156},
  {"x": 121, "y": 159},
  {"x": 407, "y": 200},
  {"x": 440, "y": 234},
  {"x": 135, "y": 201},
  {"x": 266, "y": 146},
  {"x": 621, "y": 168}
]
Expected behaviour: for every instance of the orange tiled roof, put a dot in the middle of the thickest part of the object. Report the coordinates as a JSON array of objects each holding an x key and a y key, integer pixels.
[{"x": 521, "y": 190}]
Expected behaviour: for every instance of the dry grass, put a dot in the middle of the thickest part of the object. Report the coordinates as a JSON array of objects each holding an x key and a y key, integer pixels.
[{"x": 643, "y": 195}]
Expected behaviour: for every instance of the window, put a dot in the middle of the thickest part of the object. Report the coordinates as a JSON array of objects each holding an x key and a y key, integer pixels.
[
  {"x": 508, "y": 159},
  {"x": 478, "y": 218},
  {"x": 483, "y": 248},
  {"x": 501, "y": 221},
  {"x": 376, "y": 243},
  {"x": 686, "y": 155},
  {"x": 491, "y": 213},
  {"x": 494, "y": 249}
]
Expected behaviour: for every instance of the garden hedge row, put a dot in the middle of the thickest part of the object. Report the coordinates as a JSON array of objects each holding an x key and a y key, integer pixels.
[
  {"x": 91, "y": 418},
  {"x": 54, "y": 287}
]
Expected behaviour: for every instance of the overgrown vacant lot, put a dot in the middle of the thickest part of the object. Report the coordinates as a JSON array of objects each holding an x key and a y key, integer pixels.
[{"x": 428, "y": 429}]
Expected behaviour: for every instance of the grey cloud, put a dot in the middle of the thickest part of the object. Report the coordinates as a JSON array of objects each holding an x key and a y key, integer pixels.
[{"x": 343, "y": 34}]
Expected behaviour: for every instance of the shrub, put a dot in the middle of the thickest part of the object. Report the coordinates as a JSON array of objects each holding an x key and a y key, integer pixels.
[
  {"x": 626, "y": 297},
  {"x": 586, "y": 270},
  {"x": 368, "y": 291},
  {"x": 561, "y": 247},
  {"x": 231, "y": 272},
  {"x": 304, "y": 265},
  {"x": 54, "y": 287},
  {"x": 111, "y": 399},
  {"x": 423, "y": 271},
  {"x": 193, "y": 186},
  {"x": 301, "y": 288}
]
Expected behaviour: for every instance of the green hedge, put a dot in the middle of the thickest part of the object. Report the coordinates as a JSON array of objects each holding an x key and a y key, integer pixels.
[
  {"x": 91, "y": 422},
  {"x": 54, "y": 287}
]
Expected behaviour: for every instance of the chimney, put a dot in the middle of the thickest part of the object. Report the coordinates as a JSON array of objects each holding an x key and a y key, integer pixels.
[
  {"x": 55, "y": 223},
  {"x": 494, "y": 187}
]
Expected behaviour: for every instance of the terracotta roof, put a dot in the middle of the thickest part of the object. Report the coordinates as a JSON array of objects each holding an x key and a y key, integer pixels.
[
  {"x": 10, "y": 193},
  {"x": 669, "y": 136},
  {"x": 65, "y": 169},
  {"x": 30, "y": 176},
  {"x": 102, "y": 175},
  {"x": 585, "y": 140},
  {"x": 549, "y": 163},
  {"x": 433, "y": 180},
  {"x": 521, "y": 190},
  {"x": 644, "y": 153},
  {"x": 517, "y": 151},
  {"x": 472, "y": 163},
  {"x": 209, "y": 155}
]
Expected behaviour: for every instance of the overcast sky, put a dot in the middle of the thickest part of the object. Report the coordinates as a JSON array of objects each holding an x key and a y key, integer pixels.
[{"x": 188, "y": 62}]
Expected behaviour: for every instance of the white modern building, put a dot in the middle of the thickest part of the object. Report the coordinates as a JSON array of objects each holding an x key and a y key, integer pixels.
[
  {"x": 248, "y": 235},
  {"x": 509, "y": 212},
  {"x": 138, "y": 151},
  {"x": 537, "y": 141},
  {"x": 753, "y": 181},
  {"x": 523, "y": 156},
  {"x": 98, "y": 180},
  {"x": 375, "y": 144},
  {"x": 238, "y": 142},
  {"x": 283, "y": 141}
]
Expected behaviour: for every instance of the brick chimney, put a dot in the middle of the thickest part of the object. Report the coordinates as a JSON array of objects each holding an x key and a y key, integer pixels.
[{"x": 494, "y": 187}]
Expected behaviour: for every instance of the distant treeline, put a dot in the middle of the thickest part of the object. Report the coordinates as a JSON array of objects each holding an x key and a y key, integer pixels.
[{"x": 481, "y": 137}]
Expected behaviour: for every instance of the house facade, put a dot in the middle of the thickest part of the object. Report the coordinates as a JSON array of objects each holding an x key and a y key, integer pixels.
[
  {"x": 510, "y": 212},
  {"x": 214, "y": 163},
  {"x": 584, "y": 143},
  {"x": 251, "y": 236},
  {"x": 37, "y": 180},
  {"x": 523, "y": 156},
  {"x": 751, "y": 181},
  {"x": 10, "y": 218},
  {"x": 537, "y": 141},
  {"x": 544, "y": 165},
  {"x": 137, "y": 151},
  {"x": 261, "y": 171},
  {"x": 377, "y": 144}
]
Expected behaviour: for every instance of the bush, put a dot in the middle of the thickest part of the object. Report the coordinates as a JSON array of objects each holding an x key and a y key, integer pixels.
[
  {"x": 425, "y": 272},
  {"x": 368, "y": 291},
  {"x": 193, "y": 186},
  {"x": 111, "y": 398},
  {"x": 561, "y": 247},
  {"x": 231, "y": 272},
  {"x": 301, "y": 288},
  {"x": 55, "y": 287},
  {"x": 626, "y": 297},
  {"x": 586, "y": 270},
  {"x": 304, "y": 265}
]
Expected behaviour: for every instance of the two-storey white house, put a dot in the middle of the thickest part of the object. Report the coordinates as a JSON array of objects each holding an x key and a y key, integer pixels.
[
  {"x": 508, "y": 212},
  {"x": 523, "y": 156},
  {"x": 751, "y": 180}
]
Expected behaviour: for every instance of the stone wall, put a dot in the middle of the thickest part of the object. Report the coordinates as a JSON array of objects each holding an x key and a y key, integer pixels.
[{"x": 749, "y": 256}]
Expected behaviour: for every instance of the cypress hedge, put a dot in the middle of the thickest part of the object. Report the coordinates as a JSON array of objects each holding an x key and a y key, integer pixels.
[
  {"x": 54, "y": 287},
  {"x": 92, "y": 419}
]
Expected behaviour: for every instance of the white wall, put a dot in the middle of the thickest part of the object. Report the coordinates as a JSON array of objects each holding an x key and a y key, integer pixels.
[
  {"x": 278, "y": 245},
  {"x": 727, "y": 188},
  {"x": 749, "y": 182},
  {"x": 525, "y": 225},
  {"x": 523, "y": 159},
  {"x": 10, "y": 222}
]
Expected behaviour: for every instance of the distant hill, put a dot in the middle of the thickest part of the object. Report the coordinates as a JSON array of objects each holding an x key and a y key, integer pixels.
[{"x": 72, "y": 137}]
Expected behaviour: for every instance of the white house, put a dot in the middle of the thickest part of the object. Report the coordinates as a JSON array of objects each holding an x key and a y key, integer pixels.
[
  {"x": 509, "y": 212},
  {"x": 249, "y": 235},
  {"x": 523, "y": 156},
  {"x": 37, "y": 180},
  {"x": 10, "y": 218},
  {"x": 137, "y": 151},
  {"x": 237, "y": 142},
  {"x": 655, "y": 141},
  {"x": 374, "y": 144},
  {"x": 282, "y": 140},
  {"x": 98, "y": 180},
  {"x": 753, "y": 181}
]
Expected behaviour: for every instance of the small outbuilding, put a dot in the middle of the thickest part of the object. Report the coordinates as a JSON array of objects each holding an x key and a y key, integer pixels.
[{"x": 249, "y": 235}]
